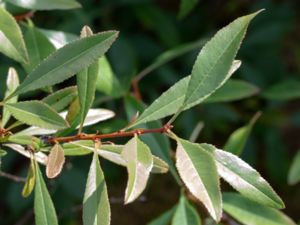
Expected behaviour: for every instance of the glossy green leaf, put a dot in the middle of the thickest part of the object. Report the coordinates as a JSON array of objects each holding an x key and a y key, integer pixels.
[
  {"x": 186, "y": 6},
  {"x": 185, "y": 214},
  {"x": 78, "y": 148},
  {"x": 86, "y": 82},
  {"x": 36, "y": 113},
  {"x": 59, "y": 100},
  {"x": 198, "y": 171},
  {"x": 38, "y": 47},
  {"x": 171, "y": 100},
  {"x": 214, "y": 61},
  {"x": 11, "y": 39},
  {"x": 242, "y": 177},
  {"x": 58, "y": 38},
  {"x": 139, "y": 164},
  {"x": 44, "y": 210},
  {"x": 12, "y": 82},
  {"x": 107, "y": 81},
  {"x": 30, "y": 180},
  {"x": 238, "y": 139},
  {"x": 232, "y": 90},
  {"x": 283, "y": 91},
  {"x": 32, "y": 141},
  {"x": 67, "y": 61},
  {"x": 294, "y": 172},
  {"x": 165, "y": 218},
  {"x": 56, "y": 161},
  {"x": 248, "y": 212},
  {"x": 96, "y": 208},
  {"x": 46, "y": 5}
]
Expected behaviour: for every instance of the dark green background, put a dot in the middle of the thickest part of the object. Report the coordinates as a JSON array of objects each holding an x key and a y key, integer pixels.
[{"x": 270, "y": 55}]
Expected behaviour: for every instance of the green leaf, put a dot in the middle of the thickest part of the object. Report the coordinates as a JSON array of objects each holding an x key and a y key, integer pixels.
[
  {"x": 96, "y": 208},
  {"x": 30, "y": 180},
  {"x": 242, "y": 177},
  {"x": 46, "y": 5},
  {"x": 36, "y": 113},
  {"x": 159, "y": 165},
  {"x": 283, "y": 91},
  {"x": 12, "y": 82},
  {"x": 107, "y": 82},
  {"x": 86, "y": 83},
  {"x": 248, "y": 212},
  {"x": 59, "y": 100},
  {"x": 78, "y": 148},
  {"x": 34, "y": 142},
  {"x": 2, "y": 153},
  {"x": 58, "y": 38},
  {"x": 238, "y": 139},
  {"x": 38, "y": 46},
  {"x": 94, "y": 116},
  {"x": 294, "y": 172},
  {"x": 185, "y": 214},
  {"x": 171, "y": 100},
  {"x": 232, "y": 90},
  {"x": 56, "y": 161},
  {"x": 165, "y": 218},
  {"x": 139, "y": 165},
  {"x": 214, "y": 61},
  {"x": 12, "y": 43},
  {"x": 198, "y": 171},
  {"x": 186, "y": 6},
  {"x": 43, "y": 206},
  {"x": 67, "y": 61}
]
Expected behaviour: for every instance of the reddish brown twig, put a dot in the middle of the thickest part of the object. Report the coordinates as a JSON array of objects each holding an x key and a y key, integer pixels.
[
  {"x": 24, "y": 16},
  {"x": 117, "y": 134}
]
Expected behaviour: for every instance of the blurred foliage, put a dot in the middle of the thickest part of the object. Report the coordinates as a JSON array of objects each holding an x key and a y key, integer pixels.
[{"x": 270, "y": 56}]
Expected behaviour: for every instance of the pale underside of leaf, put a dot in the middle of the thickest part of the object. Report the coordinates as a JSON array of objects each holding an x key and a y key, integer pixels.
[
  {"x": 56, "y": 160},
  {"x": 46, "y": 5},
  {"x": 112, "y": 153},
  {"x": 12, "y": 83},
  {"x": 94, "y": 116},
  {"x": 192, "y": 180},
  {"x": 245, "y": 179},
  {"x": 139, "y": 165}
]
